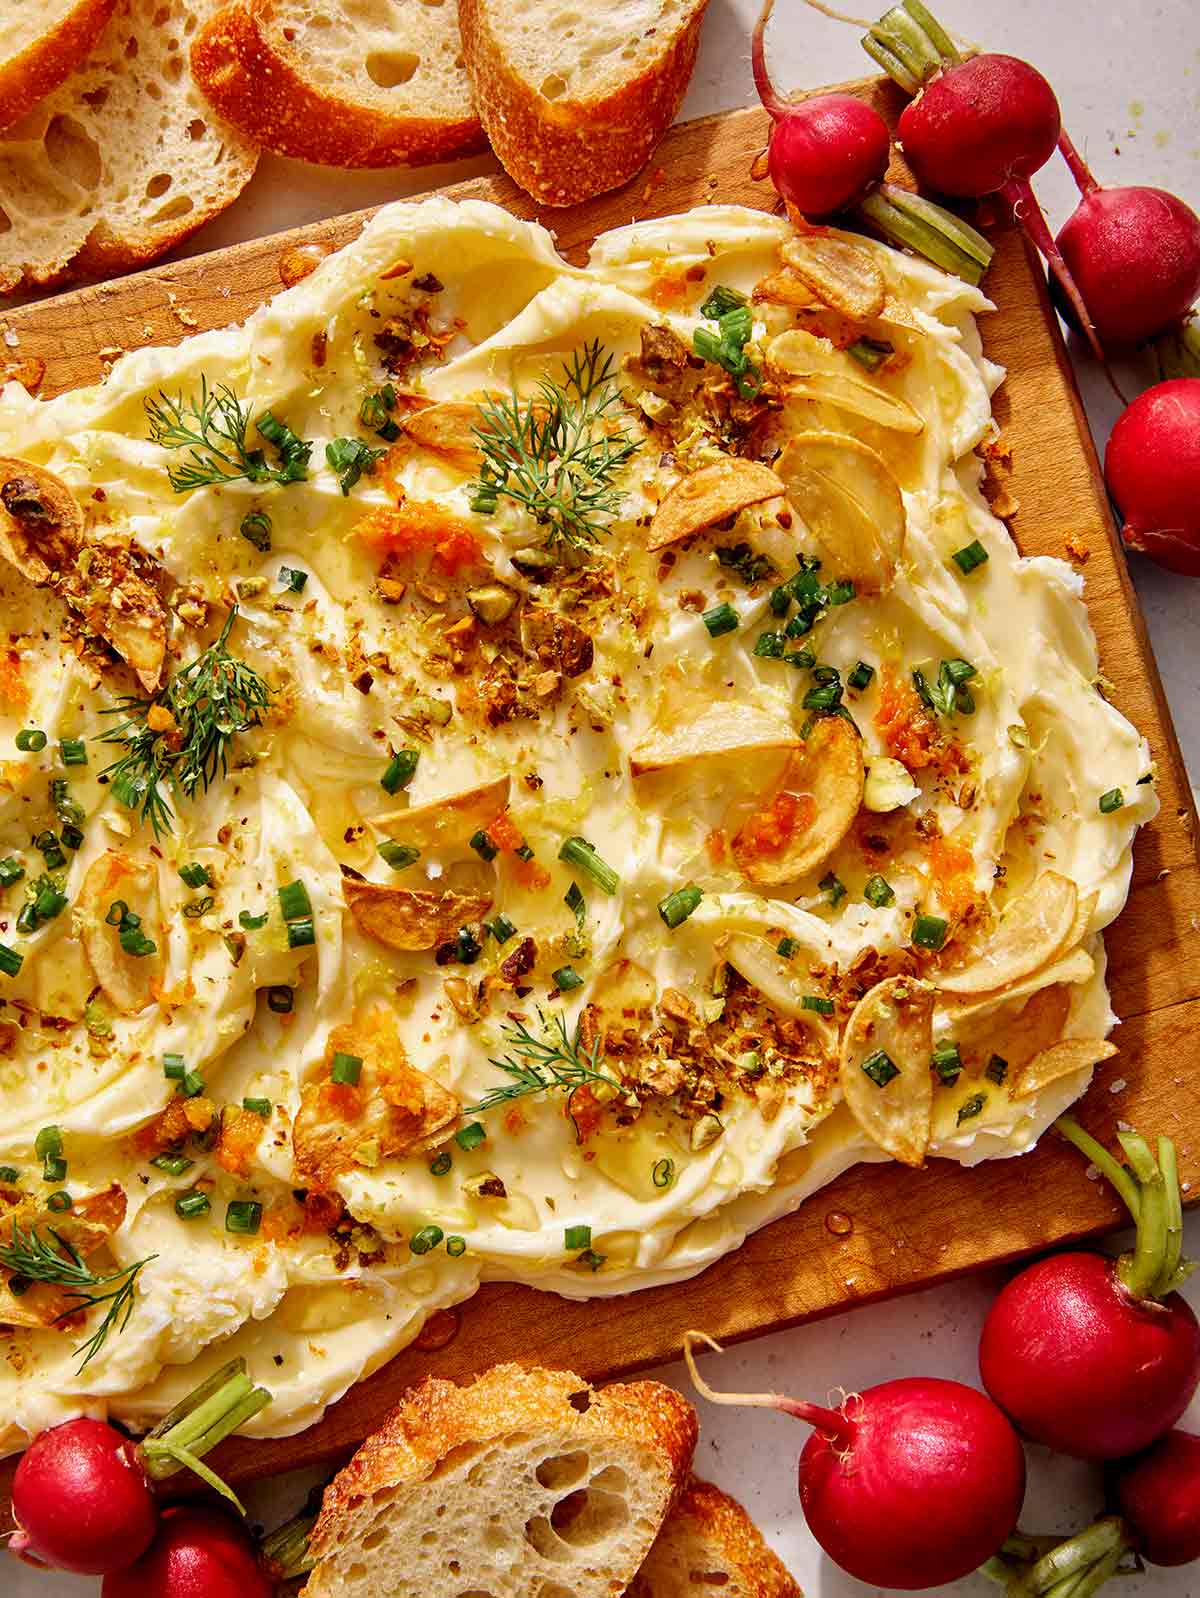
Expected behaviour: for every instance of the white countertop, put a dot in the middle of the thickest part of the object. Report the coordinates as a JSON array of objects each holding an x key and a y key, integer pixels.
[{"x": 1128, "y": 79}]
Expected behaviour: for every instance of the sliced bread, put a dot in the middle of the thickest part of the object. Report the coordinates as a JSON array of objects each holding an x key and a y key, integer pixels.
[
  {"x": 525, "y": 1484},
  {"x": 40, "y": 44},
  {"x": 345, "y": 83},
  {"x": 122, "y": 161},
  {"x": 574, "y": 97},
  {"x": 709, "y": 1544}
]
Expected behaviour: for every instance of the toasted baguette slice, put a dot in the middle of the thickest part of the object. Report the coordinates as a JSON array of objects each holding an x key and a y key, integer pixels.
[
  {"x": 122, "y": 161},
  {"x": 342, "y": 84},
  {"x": 575, "y": 98},
  {"x": 526, "y": 1484},
  {"x": 709, "y": 1544},
  {"x": 40, "y": 43}
]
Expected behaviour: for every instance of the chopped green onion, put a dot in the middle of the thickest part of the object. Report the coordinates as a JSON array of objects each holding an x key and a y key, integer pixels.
[
  {"x": 346, "y": 1068},
  {"x": 48, "y": 1144},
  {"x": 576, "y": 904},
  {"x": 576, "y": 1237},
  {"x": 251, "y": 923},
  {"x": 188, "y": 1206},
  {"x": 174, "y": 1066},
  {"x": 8, "y": 1173},
  {"x": 72, "y": 836},
  {"x": 870, "y": 352},
  {"x": 591, "y": 1259},
  {"x": 465, "y": 949},
  {"x": 349, "y": 458},
  {"x": 199, "y": 907},
  {"x": 427, "y": 1238},
  {"x": 929, "y": 932},
  {"x": 400, "y": 769},
  {"x": 814, "y": 1001},
  {"x": 501, "y": 929},
  {"x": 191, "y": 1084},
  {"x": 524, "y": 852},
  {"x": 1110, "y": 801},
  {"x": 780, "y": 601},
  {"x": 292, "y": 579},
  {"x": 256, "y": 530},
  {"x": 566, "y": 978},
  {"x": 10, "y": 871},
  {"x": 947, "y": 1061},
  {"x": 801, "y": 659},
  {"x": 663, "y": 1174},
  {"x": 996, "y": 1069},
  {"x": 878, "y": 891},
  {"x": 834, "y": 887},
  {"x": 579, "y": 852},
  {"x": 840, "y": 592},
  {"x": 398, "y": 855},
  {"x": 970, "y": 1108},
  {"x": 676, "y": 907},
  {"x": 787, "y": 948},
  {"x": 196, "y": 875},
  {"x": 73, "y": 751},
  {"x": 135, "y": 942},
  {"x": 721, "y": 619},
  {"x": 243, "y": 1215},
  {"x": 483, "y": 845},
  {"x": 281, "y": 1000},
  {"x": 880, "y": 1067},
  {"x": 970, "y": 556},
  {"x": 258, "y": 1107},
  {"x": 54, "y": 1170},
  {"x": 59, "y": 1202},
  {"x": 373, "y": 413},
  {"x": 441, "y": 1163},
  {"x": 31, "y": 740},
  {"x": 770, "y": 646},
  {"x": 118, "y": 914},
  {"x": 172, "y": 1164},
  {"x": 860, "y": 677},
  {"x": 48, "y": 847},
  {"x": 27, "y": 920},
  {"x": 294, "y": 901},
  {"x": 470, "y": 1136},
  {"x": 721, "y": 300},
  {"x": 827, "y": 697}
]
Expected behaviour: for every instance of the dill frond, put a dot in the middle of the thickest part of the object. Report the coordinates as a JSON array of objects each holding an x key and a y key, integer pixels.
[
  {"x": 32, "y": 1258},
  {"x": 212, "y": 428},
  {"x": 556, "y": 1060}
]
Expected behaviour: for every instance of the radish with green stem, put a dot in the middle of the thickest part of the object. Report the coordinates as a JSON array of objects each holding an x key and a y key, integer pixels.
[
  {"x": 83, "y": 1494},
  {"x": 201, "y": 1551},
  {"x": 1098, "y": 1357},
  {"x": 878, "y": 1465}
]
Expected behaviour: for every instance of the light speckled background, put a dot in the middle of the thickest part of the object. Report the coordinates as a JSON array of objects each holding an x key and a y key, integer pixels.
[{"x": 1128, "y": 78}]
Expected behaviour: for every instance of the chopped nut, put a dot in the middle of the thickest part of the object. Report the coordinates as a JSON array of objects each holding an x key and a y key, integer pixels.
[
  {"x": 390, "y": 590},
  {"x": 492, "y": 604}
]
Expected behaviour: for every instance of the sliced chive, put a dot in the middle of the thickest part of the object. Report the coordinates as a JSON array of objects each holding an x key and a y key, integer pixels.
[
  {"x": 860, "y": 677},
  {"x": 301, "y": 934},
  {"x": 880, "y": 1067},
  {"x": 970, "y": 1108},
  {"x": 524, "y": 852},
  {"x": 196, "y": 875},
  {"x": 676, "y": 907},
  {"x": 244, "y": 1216},
  {"x": 959, "y": 671},
  {"x": 191, "y": 1084},
  {"x": 256, "y": 529},
  {"x": 787, "y": 948},
  {"x": 833, "y": 887},
  {"x": 841, "y": 592},
  {"x": 73, "y": 751},
  {"x": 427, "y": 1238},
  {"x": 31, "y": 740},
  {"x": 470, "y": 1136},
  {"x": 721, "y": 300},
  {"x": 721, "y": 619},
  {"x": 779, "y": 601},
  {"x": 501, "y": 929},
  {"x": 970, "y": 556},
  {"x": 870, "y": 353},
  {"x": 566, "y": 978},
  {"x": 996, "y": 1069},
  {"x": 398, "y": 855},
  {"x": 483, "y": 845},
  {"x": 800, "y": 659},
  {"x": 576, "y": 904},
  {"x": 346, "y": 1068},
  {"x": 1110, "y": 801},
  {"x": 827, "y": 697},
  {"x": 258, "y": 1107},
  {"x": 579, "y": 852},
  {"x": 947, "y": 1061},
  {"x": 135, "y": 942},
  {"x": 929, "y": 932},
  {"x": 172, "y": 1164},
  {"x": 27, "y": 920},
  {"x": 441, "y": 1163},
  {"x": 48, "y": 1144},
  {"x": 10, "y": 871},
  {"x": 465, "y": 949},
  {"x": 878, "y": 891},
  {"x": 48, "y": 846},
  {"x": 59, "y": 1202},
  {"x": 663, "y": 1174},
  {"x": 199, "y": 907},
  {"x": 591, "y": 1259},
  {"x": 770, "y": 646},
  {"x": 577, "y": 1237},
  {"x": 54, "y": 1169},
  {"x": 814, "y": 1001},
  {"x": 294, "y": 901},
  {"x": 400, "y": 770},
  {"x": 251, "y": 923},
  {"x": 188, "y": 1206},
  {"x": 292, "y": 579},
  {"x": 281, "y": 1000},
  {"x": 174, "y": 1067},
  {"x": 8, "y": 1173},
  {"x": 456, "y": 1246},
  {"x": 117, "y": 914}
]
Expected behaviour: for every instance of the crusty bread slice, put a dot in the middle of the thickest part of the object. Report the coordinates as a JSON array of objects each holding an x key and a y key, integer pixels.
[
  {"x": 342, "y": 82},
  {"x": 574, "y": 98},
  {"x": 41, "y": 41},
  {"x": 709, "y": 1544},
  {"x": 122, "y": 161},
  {"x": 526, "y": 1484}
]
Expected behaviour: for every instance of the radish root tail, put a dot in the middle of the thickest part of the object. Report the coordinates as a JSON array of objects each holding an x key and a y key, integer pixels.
[
  {"x": 831, "y": 1423},
  {"x": 1084, "y": 180},
  {"x": 773, "y": 104}
]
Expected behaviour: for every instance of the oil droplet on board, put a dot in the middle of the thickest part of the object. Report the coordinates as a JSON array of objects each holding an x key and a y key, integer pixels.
[
  {"x": 296, "y": 263},
  {"x": 839, "y": 1223}
]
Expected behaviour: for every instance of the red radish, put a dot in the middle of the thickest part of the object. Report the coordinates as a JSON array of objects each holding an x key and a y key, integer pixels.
[
  {"x": 1152, "y": 466},
  {"x": 81, "y": 1499},
  {"x": 83, "y": 1494},
  {"x": 1158, "y": 1493},
  {"x": 825, "y": 152},
  {"x": 200, "y": 1552},
  {"x": 1099, "y": 1357},
  {"x": 980, "y": 126},
  {"x": 1134, "y": 254},
  {"x": 909, "y": 1484}
]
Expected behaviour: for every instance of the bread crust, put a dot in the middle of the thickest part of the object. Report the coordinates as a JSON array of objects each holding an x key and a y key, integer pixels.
[
  {"x": 438, "y": 1417},
  {"x": 565, "y": 151},
  {"x": 712, "y": 1534},
  {"x": 277, "y": 107},
  {"x": 39, "y": 69}
]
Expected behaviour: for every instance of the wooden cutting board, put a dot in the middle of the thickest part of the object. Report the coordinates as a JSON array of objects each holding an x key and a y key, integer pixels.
[{"x": 909, "y": 1228}]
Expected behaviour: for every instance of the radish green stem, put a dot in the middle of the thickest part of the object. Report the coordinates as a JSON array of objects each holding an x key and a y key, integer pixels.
[
  {"x": 1142, "y": 1270},
  {"x": 1076, "y": 1556},
  {"x": 910, "y": 45},
  {"x": 1074, "y": 1568},
  {"x": 285, "y": 1552},
  {"x": 1178, "y": 351},
  {"x": 217, "y": 1407},
  {"x": 1084, "y": 180},
  {"x": 831, "y": 1423},
  {"x": 929, "y": 229},
  {"x": 1117, "y": 1175},
  {"x": 1169, "y": 1166}
]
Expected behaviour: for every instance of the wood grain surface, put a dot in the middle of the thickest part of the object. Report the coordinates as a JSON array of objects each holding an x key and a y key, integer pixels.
[{"x": 910, "y": 1228}]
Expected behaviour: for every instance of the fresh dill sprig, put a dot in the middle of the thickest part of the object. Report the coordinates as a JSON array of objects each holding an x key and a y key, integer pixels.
[
  {"x": 32, "y": 1258},
  {"x": 213, "y": 429},
  {"x": 180, "y": 738},
  {"x": 558, "y": 1059},
  {"x": 558, "y": 451}
]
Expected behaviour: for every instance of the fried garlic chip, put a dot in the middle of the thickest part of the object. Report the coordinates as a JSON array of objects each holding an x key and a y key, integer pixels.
[
  {"x": 41, "y": 524},
  {"x": 851, "y": 503},
  {"x": 85, "y": 1227},
  {"x": 809, "y": 812},
  {"x": 408, "y": 918},
  {"x": 1032, "y": 930},
  {"x": 840, "y": 274},
  {"x": 447, "y": 821},
  {"x": 724, "y": 729},
  {"x": 708, "y": 496},
  {"x": 1061, "y": 1059},
  {"x": 808, "y": 369},
  {"x": 447, "y": 429},
  {"x": 130, "y": 981},
  {"x": 885, "y": 1073},
  {"x": 119, "y": 604},
  {"x": 1016, "y": 1031}
]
